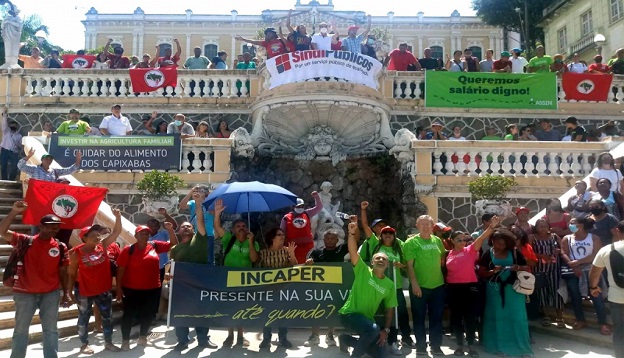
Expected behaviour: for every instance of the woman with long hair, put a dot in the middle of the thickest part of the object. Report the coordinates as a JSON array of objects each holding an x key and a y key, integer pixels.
[
  {"x": 101, "y": 62},
  {"x": 462, "y": 286},
  {"x": 203, "y": 130},
  {"x": 505, "y": 324},
  {"x": 613, "y": 200},
  {"x": 276, "y": 255},
  {"x": 223, "y": 130},
  {"x": 557, "y": 218},
  {"x": 511, "y": 132},
  {"x": 605, "y": 168}
]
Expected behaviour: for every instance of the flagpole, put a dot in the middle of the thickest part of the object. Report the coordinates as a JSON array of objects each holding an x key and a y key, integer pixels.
[{"x": 396, "y": 310}]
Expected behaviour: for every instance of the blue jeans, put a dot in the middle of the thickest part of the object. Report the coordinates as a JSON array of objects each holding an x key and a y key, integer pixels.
[
  {"x": 431, "y": 302},
  {"x": 182, "y": 333},
  {"x": 368, "y": 331},
  {"x": 104, "y": 302},
  {"x": 25, "y": 306},
  {"x": 8, "y": 164},
  {"x": 577, "y": 302},
  {"x": 617, "y": 314},
  {"x": 402, "y": 318}
]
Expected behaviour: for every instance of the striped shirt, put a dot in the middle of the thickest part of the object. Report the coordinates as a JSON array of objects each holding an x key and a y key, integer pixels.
[
  {"x": 274, "y": 258},
  {"x": 353, "y": 44},
  {"x": 37, "y": 171}
]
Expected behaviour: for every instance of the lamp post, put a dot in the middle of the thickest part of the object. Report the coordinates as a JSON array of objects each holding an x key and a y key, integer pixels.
[
  {"x": 524, "y": 24},
  {"x": 599, "y": 40}
]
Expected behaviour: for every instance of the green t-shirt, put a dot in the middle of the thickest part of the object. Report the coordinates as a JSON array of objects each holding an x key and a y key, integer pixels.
[
  {"x": 73, "y": 128},
  {"x": 368, "y": 291},
  {"x": 427, "y": 256},
  {"x": 371, "y": 244},
  {"x": 541, "y": 61},
  {"x": 491, "y": 137},
  {"x": 195, "y": 251},
  {"x": 246, "y": 66},
  {"x": 509, "y": 137},
  {"x": 239, "y": 254}
]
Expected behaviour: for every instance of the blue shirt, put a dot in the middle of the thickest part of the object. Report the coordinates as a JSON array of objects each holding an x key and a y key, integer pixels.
[
  {"x": 161, "y": 235},
  {"x": 208, "y": 218},
  {"x": 353, "y": 44}
]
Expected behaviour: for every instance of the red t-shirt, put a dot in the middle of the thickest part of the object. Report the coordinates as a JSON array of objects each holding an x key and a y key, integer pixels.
[
  {"x": 94, "y": 272},
  {"x": 142, "y": 268},
  {"x": 290, "y": 46},
  {"x": 40, "y": 272},
  {"x": 461, "y": 265},
  {"x": 599, "y": 67},
  {"x": 274, "y": 47},
  {"x": 500, "y": 65},
  {"x": 528, "y": 253},
  {"x": 168, "y": 61},
  {"x": 118, "y": 62},
  {"x": 113, "y": 251},
  {"x": 400, "y": 60},
  {"x": 336, "y": 46}
]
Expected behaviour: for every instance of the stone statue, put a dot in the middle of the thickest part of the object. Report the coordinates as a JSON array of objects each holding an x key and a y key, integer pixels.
[
  {"x": 11, "y": 34},
  {"x": 326, "y": 197},
  {"x": 402, "y": 149},
  {"x": 242, "y": 143}
]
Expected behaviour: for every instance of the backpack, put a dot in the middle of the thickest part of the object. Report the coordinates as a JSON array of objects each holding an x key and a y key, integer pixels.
[
  {"x": 616, "y": 259},
  {"x": 15, "y": 263},
  {"x": 228, "y": 248},
  {"x": 525, "y": 281}
]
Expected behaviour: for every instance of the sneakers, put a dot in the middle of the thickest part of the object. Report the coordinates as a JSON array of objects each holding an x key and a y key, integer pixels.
[
  {"x": 408, "y": 342},
  {"x": 285, "y": 343},
  {"x": 125, "y": 346},
  {"x": 86, "y": 349},
  {"x": 228, "y": 341},
  {"x": 180, "y": 347},
  {"x": 344, "y": 348},
  {"x": 313, "y": 340},
  {"x": 266, "y": 343},
  {"x": 330, "y": 340},
  {"x": 207, "y": 344},
  {"x": 111, "y": 347},
  {"x": 394, "y": 348},
  {"x": 437, "y": 351}
]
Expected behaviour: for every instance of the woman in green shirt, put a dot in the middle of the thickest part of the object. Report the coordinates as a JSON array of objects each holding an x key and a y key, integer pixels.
[{"x": 511, "y": 132}]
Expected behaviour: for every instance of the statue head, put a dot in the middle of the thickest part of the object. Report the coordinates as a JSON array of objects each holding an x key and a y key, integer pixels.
[
  {"x": 326, "y": 187},
  {"x": 322, "y": 140}
]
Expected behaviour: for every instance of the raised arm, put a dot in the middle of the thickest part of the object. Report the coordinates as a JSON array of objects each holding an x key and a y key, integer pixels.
[
  {"x": 199, "y": 198},
  {"x": 173, "y": 238},
  {"x": 5, "y": 120},
  {"x": 255, "y": 42},
  {"x": 178, "y": 48},
  {"x": 219, "y": 208},
  {"x": 368, "y": 27},
  {"x": 364, "y": 219},
  {"x": 18, "y": 208},
  {"x": 107, "y": 46},
  {"x": 168, "y": 218},
  {"x": 486, "y": 234},
  {"x": 23, "y": 165},
  {"x": 281, "y": 35},
  {"x": 318, "y": 205},
  {"x": 114, "y": 233},
  {"x": 290, "y": 28},
  {"x": 184, "y": 202},
  {"x": 352, "y": 240},
  {"x": 155, "y": 59},
  {"x": 253, "y": 253}
]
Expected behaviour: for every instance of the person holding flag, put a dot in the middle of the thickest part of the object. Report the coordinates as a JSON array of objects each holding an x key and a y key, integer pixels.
[{"x": 370, "y": 288}]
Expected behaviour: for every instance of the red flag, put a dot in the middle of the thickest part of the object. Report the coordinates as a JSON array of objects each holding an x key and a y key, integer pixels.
[
  {"x": 78, "y": 61},
  {"x": 150, "y": 79},
  {"x": 75, "y": 205},
  {"x": 594, "y": 87}
]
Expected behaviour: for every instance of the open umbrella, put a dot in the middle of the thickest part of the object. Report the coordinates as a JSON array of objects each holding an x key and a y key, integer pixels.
[{"x": 247, "y": 197}]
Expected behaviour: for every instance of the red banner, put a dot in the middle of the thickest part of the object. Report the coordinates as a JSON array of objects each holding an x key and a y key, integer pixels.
[
  {"x": 593, "y": 87},
  {"x": 75, "y": 205},
  {"x": 78, "y": 61},
  {"x": 150, "y": 79}
]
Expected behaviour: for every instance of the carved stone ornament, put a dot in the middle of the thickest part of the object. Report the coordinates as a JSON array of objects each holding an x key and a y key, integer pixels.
[
  {"x": 402, "y": 149},
  {"x": 242, "y": 143}
]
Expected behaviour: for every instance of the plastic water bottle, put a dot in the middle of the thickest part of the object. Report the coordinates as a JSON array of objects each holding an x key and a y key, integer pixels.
[{"x": 342, "y": 215}]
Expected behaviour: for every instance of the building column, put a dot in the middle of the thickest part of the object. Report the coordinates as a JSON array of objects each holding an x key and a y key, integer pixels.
[
  {"x": 233, "y": 54},
  {"x": 141, "y": 48},
  {"x": 135, "y": 44},
  {"x": 492, "y": 47},
  {"x": 188, "y": 46},
  {"x": 420, "y": 46},
  {"x": 459, "y": 43}
]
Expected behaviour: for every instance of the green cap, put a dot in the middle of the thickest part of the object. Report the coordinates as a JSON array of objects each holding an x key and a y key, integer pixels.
[
  {"x": 74, "y": 110},
  {"x": 505, "y": 54}
]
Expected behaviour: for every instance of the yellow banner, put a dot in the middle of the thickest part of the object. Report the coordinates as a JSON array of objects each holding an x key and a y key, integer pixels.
[{"x": 310, "y": 274}]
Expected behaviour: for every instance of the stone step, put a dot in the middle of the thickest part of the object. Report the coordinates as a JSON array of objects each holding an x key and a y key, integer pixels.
[
  {"x": 10, "y": 184},
  {"x": 5, "y": 250},
  {"x": 66, "y": 328},
  {"x": 7, "y": 304},
  {"x": 11, "y": 192},
  {"x": 8, "y": 199},
  {"x": 590, "y": 335},
  {"x": 6, "y": 207}
]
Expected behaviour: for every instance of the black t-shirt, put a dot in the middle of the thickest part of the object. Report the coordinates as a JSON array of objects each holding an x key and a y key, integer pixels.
[
  {"x": 430, "y": 63},
  {"x": 578, "y": 131},
  {"x": 602, "y": 228},
  {"x": 618, "y": 67},
  {"x": 324, "y": 255},
  {"x": 302, "y": 42}
]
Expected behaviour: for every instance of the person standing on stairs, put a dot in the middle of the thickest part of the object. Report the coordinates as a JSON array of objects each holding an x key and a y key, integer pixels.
[
  {"x": 43, "y": 272},
  {"x": 9, "y": 147}
]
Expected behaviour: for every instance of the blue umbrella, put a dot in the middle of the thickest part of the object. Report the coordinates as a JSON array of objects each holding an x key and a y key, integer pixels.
[{"x": 247, "y": 197}]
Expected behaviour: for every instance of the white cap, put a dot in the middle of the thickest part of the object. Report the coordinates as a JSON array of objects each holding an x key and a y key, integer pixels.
[{"x": 300, "y": 202}]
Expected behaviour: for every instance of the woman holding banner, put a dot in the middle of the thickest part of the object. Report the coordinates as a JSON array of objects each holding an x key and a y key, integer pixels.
[{"x": 276, "y": 255}]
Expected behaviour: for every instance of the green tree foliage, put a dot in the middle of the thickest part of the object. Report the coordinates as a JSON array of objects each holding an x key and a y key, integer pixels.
[{"x": 503, "y": 13}]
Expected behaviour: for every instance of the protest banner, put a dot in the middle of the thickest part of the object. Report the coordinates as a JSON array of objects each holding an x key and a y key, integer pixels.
[
  {"x": 217, "y": 296},
  {"x": 118, "y": 153},
  {"x": 490, "y": 90},
  {"x": 304, "y": 65},
  {"x": 151, "y": 79},
  {"x": 592, "y": 87},
  {"x": 78, "y": 61}
]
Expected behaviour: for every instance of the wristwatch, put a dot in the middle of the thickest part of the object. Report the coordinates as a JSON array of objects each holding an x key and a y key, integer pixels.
[{"x": 387, "y": 330}]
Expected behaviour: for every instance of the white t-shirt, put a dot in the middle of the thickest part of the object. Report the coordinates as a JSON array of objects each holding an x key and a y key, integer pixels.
[
  {"x": 616, "y": 293},
  {"x": 614, "y": 176},
  {"x": 460, "y": 138},
  {"x": 518, "y": 64},
  {"x": 322, "y": 42},
  {"x": 577, "y": 68},
  {"x": 116, "y": 126}
]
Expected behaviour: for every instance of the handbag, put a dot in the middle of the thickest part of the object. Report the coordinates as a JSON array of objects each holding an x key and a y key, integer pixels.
[{"x": 525, "y": 281}]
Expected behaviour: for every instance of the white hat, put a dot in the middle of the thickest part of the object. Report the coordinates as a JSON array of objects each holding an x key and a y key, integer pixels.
[{"x": 300, "y": 202}]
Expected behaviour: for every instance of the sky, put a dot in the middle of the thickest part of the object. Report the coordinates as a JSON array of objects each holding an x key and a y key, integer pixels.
[{"x": 63, "y": 16}]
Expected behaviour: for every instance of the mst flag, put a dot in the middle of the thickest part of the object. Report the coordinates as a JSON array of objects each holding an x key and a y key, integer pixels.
[
  {"x": 587, "y": 86},
  {"x": 78, "y": 61},
  {"x": 75, "y": 205},
  {"x": 150, "y": 79}
]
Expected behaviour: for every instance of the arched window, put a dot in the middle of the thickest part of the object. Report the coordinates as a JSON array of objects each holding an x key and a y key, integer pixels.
[
  {"x": 249, "y": 48},
  {"x": 162, "y": 47},
  {"x": 477, "y": 52},
  {"x": 210, "y": 51},
  {"x": 437, "y": 52}
]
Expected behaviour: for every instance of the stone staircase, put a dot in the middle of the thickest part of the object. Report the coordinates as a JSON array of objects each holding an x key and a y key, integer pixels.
[{"x": 9, "y": 193}]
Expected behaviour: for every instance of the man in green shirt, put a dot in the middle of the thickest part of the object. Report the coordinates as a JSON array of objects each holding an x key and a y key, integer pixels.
[
  {"x": 197, "y": 62},
  {"x": 240, "y": 250},
  {"x": 192, "y": 247},
  {"x": 370, "y": 288},
  {"x": 541, "y": 62},
  {"x": 617, "y": 64},
  {"x": 423, "y": 254},
  {"x": 74, "y": 126},
  {"x": 490, "y": 134}
]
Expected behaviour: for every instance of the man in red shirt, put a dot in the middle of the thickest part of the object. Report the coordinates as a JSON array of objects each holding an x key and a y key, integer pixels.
[
  {"x": 503, "y": 64},
  {"x": 167, "y": 60},
  {"x": 38, "y": 280},
  {"x": 598, "y": 66},
  {"x": 400, "y": 59},
  {"x": 273, "y": 45},
  {"x": 116, "y": 59}
]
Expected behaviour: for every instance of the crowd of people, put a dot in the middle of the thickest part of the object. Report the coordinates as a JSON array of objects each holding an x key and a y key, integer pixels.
[{"x": 473, "y": 276}]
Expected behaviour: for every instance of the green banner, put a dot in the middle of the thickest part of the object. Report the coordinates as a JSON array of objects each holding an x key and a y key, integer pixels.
[{"x": 490, "y": 90}]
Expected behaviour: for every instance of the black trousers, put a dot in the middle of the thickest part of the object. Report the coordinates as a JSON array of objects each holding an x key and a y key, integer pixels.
[
  {"x": 463, "y": 299},
  {"x": 138, "y": 303}
]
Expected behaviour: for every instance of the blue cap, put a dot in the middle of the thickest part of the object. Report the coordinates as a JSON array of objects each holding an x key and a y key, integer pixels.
[
  {"x": 516, "y": 50},
  {"x": 377, "y": 221}
]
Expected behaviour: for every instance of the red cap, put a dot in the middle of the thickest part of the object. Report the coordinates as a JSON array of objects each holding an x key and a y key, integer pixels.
[
  {"x": 388, "y": 229},
  {"x": 84, "y": 231},
  {"x": 353, "y": 27},
  {"x": 522, "y": 208},
  {"x": 441, "y": 227},
  {"x": 141, "y": 228}
]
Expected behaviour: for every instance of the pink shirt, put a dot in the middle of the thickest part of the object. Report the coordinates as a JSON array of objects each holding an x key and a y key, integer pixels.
[{"x": 461, "y": 265}]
